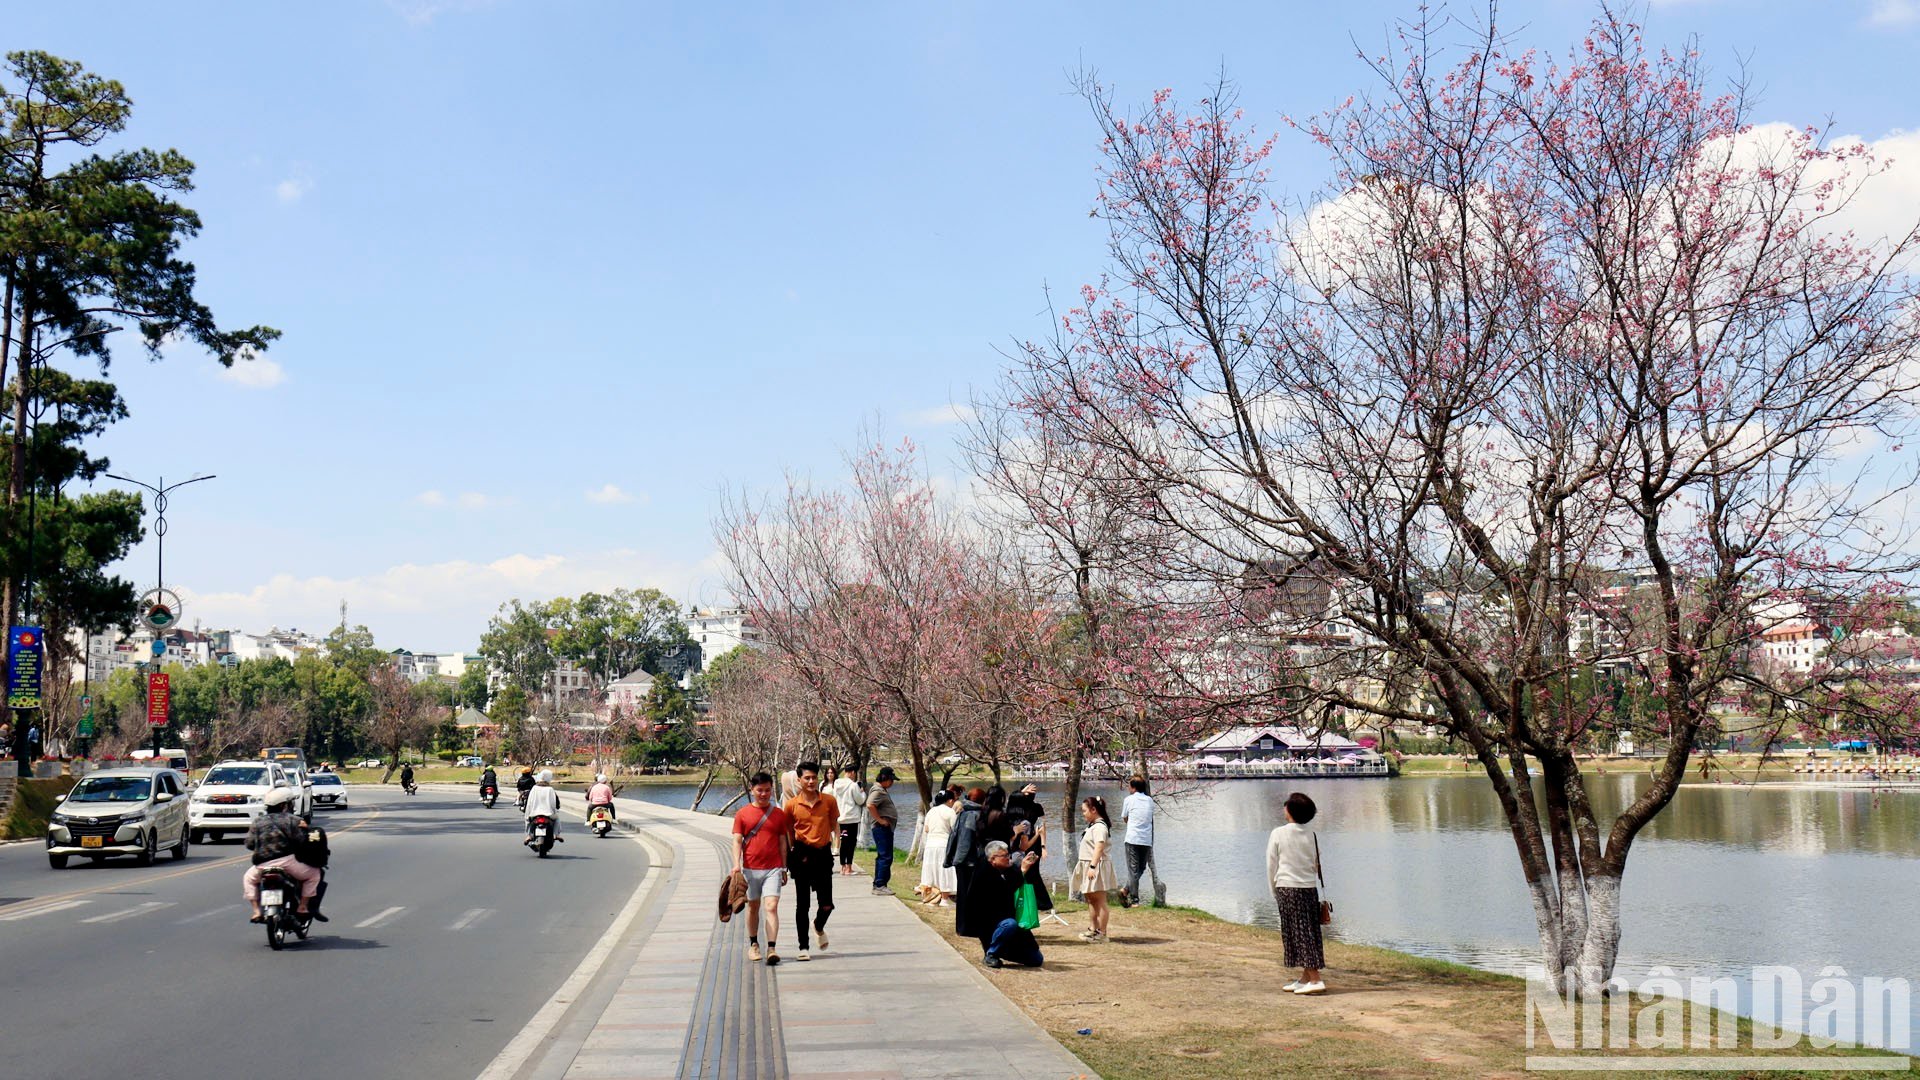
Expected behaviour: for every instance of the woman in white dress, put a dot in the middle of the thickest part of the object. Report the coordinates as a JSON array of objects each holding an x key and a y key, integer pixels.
[
  {"x": 938, "y": 882},
  {"x": 1094, "y": 869}
]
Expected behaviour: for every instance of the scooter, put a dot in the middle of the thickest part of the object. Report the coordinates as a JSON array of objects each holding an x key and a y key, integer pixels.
[
  {"x": 520, "y": 803},
  {"x": 411, "y": 787},
  {"x": 279, "y": 902},
  {"x": 541, "y": 839},
  {"x": 488, "y": 794},
  {"x": 600, "y": 820}
]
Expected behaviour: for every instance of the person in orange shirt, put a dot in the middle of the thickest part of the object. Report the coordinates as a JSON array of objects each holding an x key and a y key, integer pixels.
[{"x": 815, "y": 823}]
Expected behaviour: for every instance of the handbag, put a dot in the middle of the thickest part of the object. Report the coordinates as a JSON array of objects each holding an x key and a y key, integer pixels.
[
  {"x": 1326, "y": 906},
  {"x": 1026, "y": 907}
]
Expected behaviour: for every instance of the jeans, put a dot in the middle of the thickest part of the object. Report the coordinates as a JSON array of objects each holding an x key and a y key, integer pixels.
[
  {"x": 1014, "y": 945},
  {"x": 882, "y": 855},
  {"x": 849, "y": 840},
  {"x": 812, "y": 869},
  {"x": 1139, "y": 856}
]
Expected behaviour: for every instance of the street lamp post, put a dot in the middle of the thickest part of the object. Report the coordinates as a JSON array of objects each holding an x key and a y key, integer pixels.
[{"x": 160, "y": 553}]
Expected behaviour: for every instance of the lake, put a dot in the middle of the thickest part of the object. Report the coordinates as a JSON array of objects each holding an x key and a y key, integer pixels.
[{"x": 1725, "y": 879}]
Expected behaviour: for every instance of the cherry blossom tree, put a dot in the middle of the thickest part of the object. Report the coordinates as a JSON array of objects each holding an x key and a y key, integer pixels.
[
  {"x": 1559, "y": 378},
  {"x": 863, "y": 593}
]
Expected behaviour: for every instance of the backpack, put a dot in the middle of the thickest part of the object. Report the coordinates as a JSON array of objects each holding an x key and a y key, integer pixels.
[{"x": 310, "y": 846}]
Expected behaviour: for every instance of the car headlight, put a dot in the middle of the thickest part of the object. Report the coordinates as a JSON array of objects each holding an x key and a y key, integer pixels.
[{"x": 59, "y": 818}]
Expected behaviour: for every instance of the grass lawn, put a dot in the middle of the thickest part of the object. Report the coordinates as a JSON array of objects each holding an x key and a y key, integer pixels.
[
  {"x": 33, "y": 800},
  {"x": 1178, "y": 993}
]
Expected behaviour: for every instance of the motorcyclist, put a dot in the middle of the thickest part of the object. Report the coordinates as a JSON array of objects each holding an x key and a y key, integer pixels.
[
  {"x": 273, "y": 839},
  {"x": 601, "y": 794},
  {"x": 542, "y": 799},
  {"x": 406, "y": 776},
  {"x": 489, "y": 780}
]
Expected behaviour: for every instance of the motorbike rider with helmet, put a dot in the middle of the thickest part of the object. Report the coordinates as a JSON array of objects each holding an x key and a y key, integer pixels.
[
  {"x": 601, "y": 794},
  {"x": 274, "y": 837},
  {"x": 489, "y": 780},
  {"x": 543, "y": 800}
]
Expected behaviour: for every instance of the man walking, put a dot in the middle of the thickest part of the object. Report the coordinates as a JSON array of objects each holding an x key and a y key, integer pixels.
[
  {"x": 1137, "y": 814},
  {"x": 760, "y": 841},
  {"x": 883, "y": 817},
  {"x": 846, "y": 792},
  {"x": 814, "y": 819}
]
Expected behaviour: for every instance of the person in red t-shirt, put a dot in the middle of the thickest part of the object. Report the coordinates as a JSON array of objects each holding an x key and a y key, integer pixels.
[{"x": 758, "y": 858}]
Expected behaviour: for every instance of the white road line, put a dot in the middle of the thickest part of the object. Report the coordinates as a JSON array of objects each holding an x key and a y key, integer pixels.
[
  {"x": 205, "y": 915},
  {"x": 471, "y": 917},
  {"x": 47, "y": 910},
  {"x": 379, "y": 919},
  {"x": 112, "y": 916}
]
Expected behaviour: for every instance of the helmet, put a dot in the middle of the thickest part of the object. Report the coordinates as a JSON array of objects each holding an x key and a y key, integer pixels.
[
  {"x": 277, "y": 797},
  {"x": 545, "y": 777},
  {"x": 526, "y": 768},
  {"x": 599, "y": 778}
]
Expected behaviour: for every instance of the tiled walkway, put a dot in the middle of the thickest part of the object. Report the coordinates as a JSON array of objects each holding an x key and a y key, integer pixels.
[{"x": 889, "y": 1000}]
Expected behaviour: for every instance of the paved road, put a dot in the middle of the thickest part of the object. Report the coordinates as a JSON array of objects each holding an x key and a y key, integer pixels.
[{"x": 447, "y": 935}]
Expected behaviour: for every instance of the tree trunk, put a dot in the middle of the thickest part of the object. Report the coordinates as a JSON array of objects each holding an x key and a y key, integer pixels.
[{"x": 705, "y": 783}]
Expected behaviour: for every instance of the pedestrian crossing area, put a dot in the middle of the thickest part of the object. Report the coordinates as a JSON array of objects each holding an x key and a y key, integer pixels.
[{"x": 98, "y": 911}]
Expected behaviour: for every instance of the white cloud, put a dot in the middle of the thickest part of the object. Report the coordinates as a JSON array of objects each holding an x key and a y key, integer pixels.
[
  {"x": 255, "y": 372},
  {"x": 609, "y": 494},
  {"x": 430, "y": 497},
  {"x": 939, "y": 416},
  {"x": 474, "y": 500},
  {"x": 422, "y": 12},
  {"x": 292, "y": 189},
  {"x": 446, "y": 605},
  {"x": 1894, "y": 13}
]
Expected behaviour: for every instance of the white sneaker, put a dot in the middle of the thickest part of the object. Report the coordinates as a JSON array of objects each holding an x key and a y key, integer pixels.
[
  {"x": 803, "y": 957},
  {"x": 1291, "y": 987},
  {"x": 1311, "y": 988},
  {"x": 820, "y": 938}
]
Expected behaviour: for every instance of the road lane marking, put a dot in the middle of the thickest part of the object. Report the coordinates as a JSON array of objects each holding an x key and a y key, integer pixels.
[
  {"x": 141, "y": 909},
  {"x": 470, "y": 918},
  {"x": 373, "y": 812},
  {"x": 206, "y": 915},
  {"x": 49, "y": 909},
  {"x": 379, "y": 919}
]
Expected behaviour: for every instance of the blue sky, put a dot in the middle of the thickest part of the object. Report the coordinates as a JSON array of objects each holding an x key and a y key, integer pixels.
[{"x": 553, "y": 275}]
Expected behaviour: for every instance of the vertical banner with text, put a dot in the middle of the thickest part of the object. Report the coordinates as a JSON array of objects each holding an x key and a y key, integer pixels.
[
  {"x": 158, "y": 699},
  {"x": 25, "y": 648}
]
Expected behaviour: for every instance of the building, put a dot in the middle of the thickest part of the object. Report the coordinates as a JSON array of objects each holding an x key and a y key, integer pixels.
[
  {"x": 720, "y": 630},
  {"x": 629, "y": 693},
  {"x": 1264, "y": 742}
]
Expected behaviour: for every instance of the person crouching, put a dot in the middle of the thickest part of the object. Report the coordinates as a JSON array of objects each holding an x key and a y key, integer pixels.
[{"x": 990, "y": 899}]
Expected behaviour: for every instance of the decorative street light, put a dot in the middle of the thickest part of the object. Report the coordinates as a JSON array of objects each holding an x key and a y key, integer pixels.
[{"x": 160, "y": 614}]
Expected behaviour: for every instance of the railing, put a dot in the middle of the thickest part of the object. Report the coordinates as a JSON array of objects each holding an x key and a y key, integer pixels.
[{"x": 1304, "y": 769}]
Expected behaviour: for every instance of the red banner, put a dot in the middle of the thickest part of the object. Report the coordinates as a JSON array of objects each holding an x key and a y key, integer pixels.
[{"x": 159, "y": 698}]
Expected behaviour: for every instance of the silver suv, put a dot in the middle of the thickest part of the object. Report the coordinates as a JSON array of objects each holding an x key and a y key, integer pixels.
[{"x": 133, "y": 812}]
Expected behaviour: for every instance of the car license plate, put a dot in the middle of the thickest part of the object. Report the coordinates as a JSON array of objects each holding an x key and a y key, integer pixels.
[
  {"x": 323, "y": 798},
  {"x": 228, "y": 813},
  {"x": 92, "y": 841}
]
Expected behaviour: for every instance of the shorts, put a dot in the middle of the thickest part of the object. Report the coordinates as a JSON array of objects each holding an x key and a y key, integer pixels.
[{"x": 757, "y": 882}]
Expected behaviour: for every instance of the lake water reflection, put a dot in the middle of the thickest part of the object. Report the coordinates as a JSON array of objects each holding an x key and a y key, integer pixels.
[{"x": 1725, "y": 879}]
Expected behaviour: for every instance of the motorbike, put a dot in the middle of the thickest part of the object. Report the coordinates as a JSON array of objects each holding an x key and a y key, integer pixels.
[
  {"x": 600, "y": 820},
  {"x": 488, "y": 794},
  {"x": 521, "y": 803},
  {"x": 411, "y": 787},
  {"x": 279, "y": 901},
  {"x": 541, "y": 839}
]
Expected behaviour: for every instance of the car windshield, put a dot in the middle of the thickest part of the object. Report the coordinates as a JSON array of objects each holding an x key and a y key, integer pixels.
[
  {"x": 325, "y": 780},
  {"x": 236, "y": 774},
  {"x": 112, "y": 789}
]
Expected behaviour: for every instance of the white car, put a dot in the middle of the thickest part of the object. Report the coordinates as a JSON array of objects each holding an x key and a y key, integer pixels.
[
  {"x": 231, "y": 795},
  {"x": 120, "y": 812},
  {"x": 328, "y": 791},
  {"x": 370, "y": 763}
]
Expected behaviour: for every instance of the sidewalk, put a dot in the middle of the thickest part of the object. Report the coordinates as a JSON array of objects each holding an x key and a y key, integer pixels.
[{"x": 678, "y": 998}]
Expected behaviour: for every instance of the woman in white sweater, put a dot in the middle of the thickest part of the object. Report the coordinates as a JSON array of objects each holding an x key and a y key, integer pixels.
[{"x": 1293, "y": 869}]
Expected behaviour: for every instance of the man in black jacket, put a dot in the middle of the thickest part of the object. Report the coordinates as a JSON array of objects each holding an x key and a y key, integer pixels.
[
  {"x": 274, "y": 838},
  {"x": 993, "y": 888}
]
